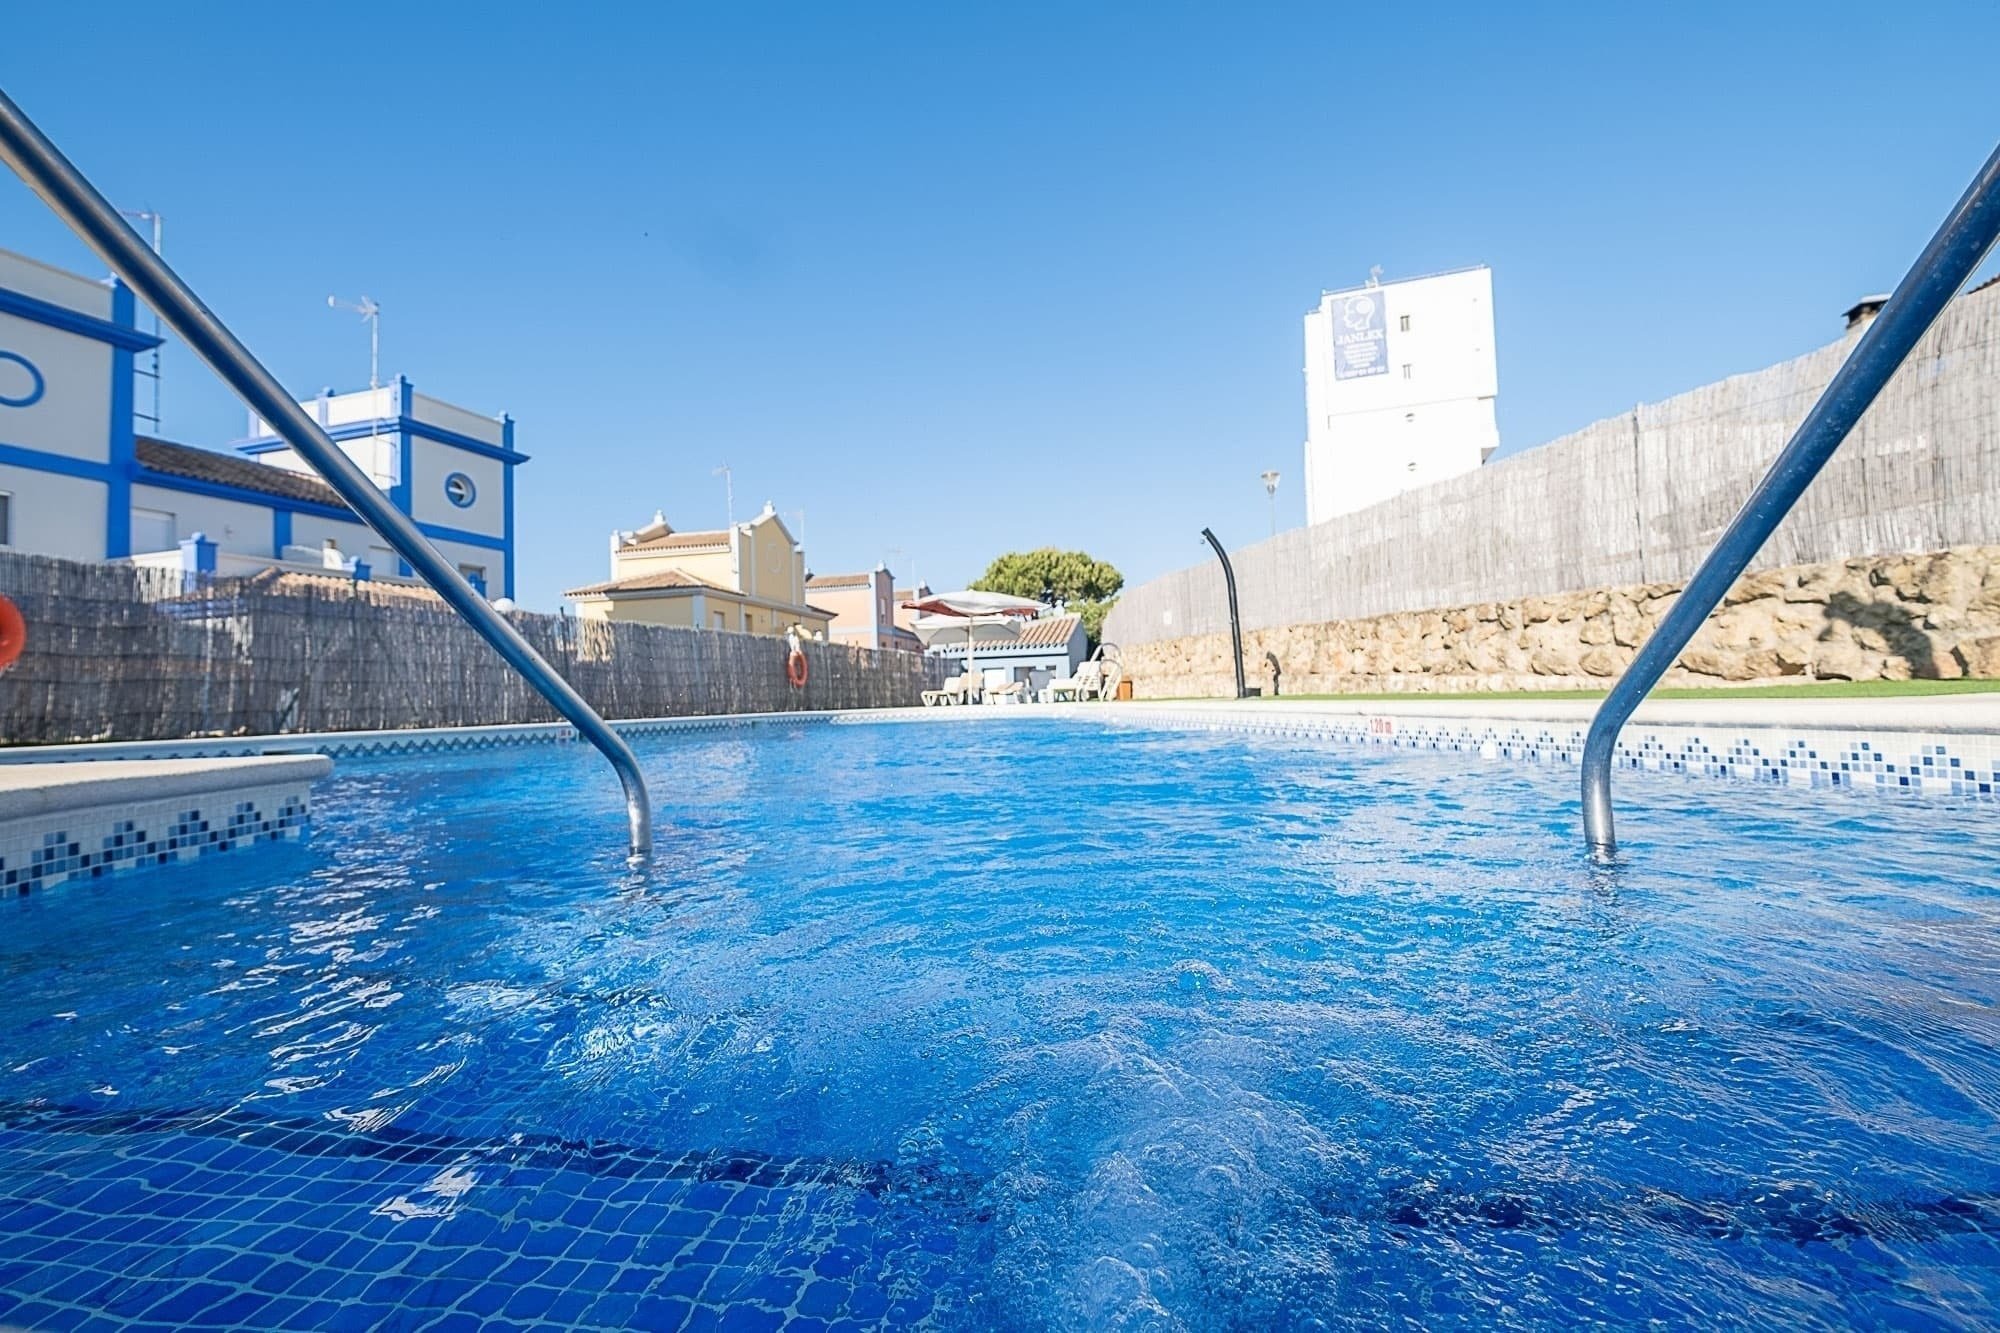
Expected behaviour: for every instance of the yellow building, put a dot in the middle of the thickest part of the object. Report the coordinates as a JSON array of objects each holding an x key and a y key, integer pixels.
[{"x": 750, "y": 578}]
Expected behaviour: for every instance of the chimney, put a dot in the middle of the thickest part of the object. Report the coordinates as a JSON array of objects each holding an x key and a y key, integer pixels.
[{"x": 1862, "y": 313}]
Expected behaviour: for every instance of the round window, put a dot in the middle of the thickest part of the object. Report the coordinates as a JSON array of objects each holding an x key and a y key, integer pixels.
[
  {"x": 458, "y": 489},
  {"x": 23, "y": 385}
]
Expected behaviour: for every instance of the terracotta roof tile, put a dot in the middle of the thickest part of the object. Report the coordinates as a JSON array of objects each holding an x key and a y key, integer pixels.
[
  {"x": 1047, "y": 632},
  {"x": 680, "y": 541},
  {"x": 180, "y": 460},
  {"x": 840, "y": 580},
  {"x": 667, "y": 580}
]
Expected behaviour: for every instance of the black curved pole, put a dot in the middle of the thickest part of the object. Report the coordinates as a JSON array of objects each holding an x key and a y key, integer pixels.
[
  {"x": 1950, "y": 258},
  {"x": 1235, "y": 622}
]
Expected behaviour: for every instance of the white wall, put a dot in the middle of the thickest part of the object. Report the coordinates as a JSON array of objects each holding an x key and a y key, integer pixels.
[
  {"x": 457, "y": 420},
  {"x": 51, "y": 514},
  {"x": 73, "y": 415},
  {"x": 44, "y": 282},
  {"x": 431, "y": 463},
  {"x": 377, "y": 455},
  {"x": 1427, "y": 416},
  {"x": 311, "y": 530},
  {"x": 494, "y": 561},
  {"x": 232, "y": 525}
]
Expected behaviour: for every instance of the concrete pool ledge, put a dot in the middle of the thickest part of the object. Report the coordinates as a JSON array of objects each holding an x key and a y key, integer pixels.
[{"x": 63, "y": 821}]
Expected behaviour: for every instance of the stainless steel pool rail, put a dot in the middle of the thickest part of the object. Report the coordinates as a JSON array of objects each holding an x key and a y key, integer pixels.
[
  {"x": 1943, "y": 267},
  {"x": 73, "y": 199}
]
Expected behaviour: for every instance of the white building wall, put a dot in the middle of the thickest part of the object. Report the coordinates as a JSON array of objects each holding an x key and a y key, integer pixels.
[
  {"x": 45, "y": 282},
  {"x": 457, "y": 420},
  {"x": 233, "y": 525},
  {"x": 380, "y": 456},
  {"x": 72, "y": 416},
  {"x": 460, "y": 554},
  {"x": 431, "y": 463},
  {"x": 1412, "y": 402},
  {"x": 51, "y": 514},
  {"x": 312, "y": 531}
]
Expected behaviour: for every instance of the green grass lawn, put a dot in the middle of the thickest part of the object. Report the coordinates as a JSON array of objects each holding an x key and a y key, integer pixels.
[{"x": 1818, "y": 689}]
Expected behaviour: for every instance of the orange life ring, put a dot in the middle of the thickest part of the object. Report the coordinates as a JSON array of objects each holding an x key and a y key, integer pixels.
[
  {"x": 13, "y": 633},
  {"x": 797, "y": 669}
]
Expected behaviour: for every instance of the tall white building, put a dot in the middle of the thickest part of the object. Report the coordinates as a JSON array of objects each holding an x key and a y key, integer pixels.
[{"x": 1400, "y": 383}]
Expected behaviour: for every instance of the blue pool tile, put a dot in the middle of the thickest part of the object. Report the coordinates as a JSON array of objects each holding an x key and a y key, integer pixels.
[{"x": 662, "y": 1312}]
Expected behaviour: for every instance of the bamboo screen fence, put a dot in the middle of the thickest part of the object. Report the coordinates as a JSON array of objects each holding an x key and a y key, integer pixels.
[
  {"x": 119, "y": 653},
  {"x": 1637, "y": 498}
]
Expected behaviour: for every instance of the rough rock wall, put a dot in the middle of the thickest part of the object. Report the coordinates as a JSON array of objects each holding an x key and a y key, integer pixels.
[{"x": 1933, "y": 616}]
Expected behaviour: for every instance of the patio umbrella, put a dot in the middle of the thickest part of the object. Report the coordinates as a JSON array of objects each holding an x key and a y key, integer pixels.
[{"x": 969, "y": 616}]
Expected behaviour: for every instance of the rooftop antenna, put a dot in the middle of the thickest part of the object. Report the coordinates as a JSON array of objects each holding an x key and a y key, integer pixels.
[
  {"x": 800, "y": 515},
  {"x": 1271, "y": 490},
  {"x": 153, "y": 370},
  {"x": 728, "y": 491},
  {"x": 368, "y": 310},
  {"x": 1374, "y": 275}
]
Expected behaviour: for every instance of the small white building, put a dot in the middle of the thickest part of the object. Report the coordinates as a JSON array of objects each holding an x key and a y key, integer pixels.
[
  {"x": 1401, "y": 380},
  {"x": 1050, "y": 647},
  {"x": 79, "y": 482}
]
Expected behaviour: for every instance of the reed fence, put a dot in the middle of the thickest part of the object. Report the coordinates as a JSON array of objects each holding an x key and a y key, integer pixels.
[
  {"x": 1635, "y": 499},
  {"x": 120, "y": 653}
]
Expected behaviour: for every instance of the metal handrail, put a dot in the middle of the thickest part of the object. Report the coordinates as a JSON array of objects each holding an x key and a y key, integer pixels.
[
  {"x": 1235, "y": 625},
  {"x": 1954, "y": 252},
  {"x": 73, "y": 199}
]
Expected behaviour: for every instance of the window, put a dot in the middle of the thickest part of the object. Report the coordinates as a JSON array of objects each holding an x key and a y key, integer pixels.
[
  {"x": 6, "y": 519},
  {"x": 1404, "y": 326},
  {"x": 153, "y": 530},
  {"x": 458, "y": 489},
  {"x": 1406, "y": 371},
  {"x": 716, "y": 617},
  {"x": 474, "y": 574}
]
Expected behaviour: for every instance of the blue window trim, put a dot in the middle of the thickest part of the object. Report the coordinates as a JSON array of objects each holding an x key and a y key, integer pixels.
[
  {"x": 507, "y": 509},
  {"x": 118, "y": 496},
  {"x": 404, "y": 493},
  {"x": 443, "y": 533},
  {"x": 23, "y": 306},
  {"x": 471, "y": 490},
  {"x": 407, "y": 426},
  {"x": 39, "y": 460}
]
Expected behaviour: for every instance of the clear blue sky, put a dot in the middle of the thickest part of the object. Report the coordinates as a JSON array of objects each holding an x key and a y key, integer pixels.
[{"x": 960, "y": 279}]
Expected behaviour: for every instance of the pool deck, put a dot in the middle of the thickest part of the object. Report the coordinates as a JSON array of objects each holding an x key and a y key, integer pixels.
[{"x": 66, "y": 820}]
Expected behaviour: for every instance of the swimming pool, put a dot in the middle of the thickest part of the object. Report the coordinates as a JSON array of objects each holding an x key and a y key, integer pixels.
[{"x": 1022, "y": 1024}]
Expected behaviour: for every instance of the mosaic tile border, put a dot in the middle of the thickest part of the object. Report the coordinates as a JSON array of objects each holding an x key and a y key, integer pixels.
[
  {"x": 1961, "y": 763},
  {"x": 415, "y": 741},
  {"x": 96, "y": 840},
  {"x": 1935, "y": 763}
]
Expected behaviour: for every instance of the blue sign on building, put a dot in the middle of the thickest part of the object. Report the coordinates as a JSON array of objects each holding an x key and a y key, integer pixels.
[{"x": 1360, "y": 336}]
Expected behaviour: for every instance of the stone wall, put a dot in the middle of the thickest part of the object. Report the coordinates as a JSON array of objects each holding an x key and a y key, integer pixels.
[{"x": 1897, "y": 617}]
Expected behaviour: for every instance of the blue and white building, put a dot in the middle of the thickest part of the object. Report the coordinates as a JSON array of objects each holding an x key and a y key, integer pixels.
[{"x": 78, "y": 481}]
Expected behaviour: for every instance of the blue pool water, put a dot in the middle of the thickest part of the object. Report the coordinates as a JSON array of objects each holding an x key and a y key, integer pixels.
[{"x": 1016, "y": 1025}]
